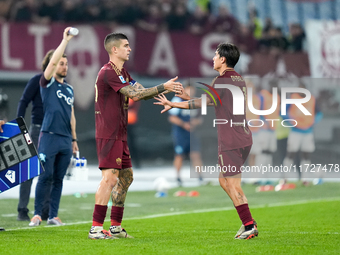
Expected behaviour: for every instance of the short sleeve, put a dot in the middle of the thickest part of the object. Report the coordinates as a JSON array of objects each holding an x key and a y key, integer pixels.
[
  {"x": 175, "y": 111},
  {"x": 115, "y": 81},
  {"x": 131, "y": 80}
]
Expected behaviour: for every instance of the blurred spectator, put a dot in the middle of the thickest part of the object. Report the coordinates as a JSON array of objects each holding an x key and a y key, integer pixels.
[
  {"x": 92, "y": 12},
  {"x": 50, "y": 10},
  {"x": 245, "y": 40},
  {"x": 255, "y": 23},
  {"x": 25, "y": 11},
  {"x": 71, "y": 11},
  {"x": 5, "y": 7},
  {"x": 205, "y": 5},
  {"x": 268, "y": 24},
  {"x": 225, "y": 22},
  {"x": 178, "y": 18},
  {"x": 166, "y": 6},
  {"x": 264, "y": 42},
  {"x": 153, "y": 21},
  {"x": 273, "y": 41},
  {"x": 198, "y": 22},
  {"x": 129, "y": 12},
  {"x": 110, "y": 10},
  {"x": 297, "y": 36},
  {"x": 277, "y": 40}
]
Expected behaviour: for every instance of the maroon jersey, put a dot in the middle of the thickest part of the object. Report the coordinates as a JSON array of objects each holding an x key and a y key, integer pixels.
[
  {"x": 238, "y": 135},
  {"x": 111, "y": 106}
]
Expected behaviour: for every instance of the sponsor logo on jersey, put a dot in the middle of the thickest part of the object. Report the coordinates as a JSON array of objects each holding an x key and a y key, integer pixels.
[
  {"x": 122, "y": 79},
  {"x": 68, "y": 100}
]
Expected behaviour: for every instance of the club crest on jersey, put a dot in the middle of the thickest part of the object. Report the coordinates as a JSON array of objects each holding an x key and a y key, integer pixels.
[
  {"x": 122, "y": 79},
  {"x": 118, "y": 161}
]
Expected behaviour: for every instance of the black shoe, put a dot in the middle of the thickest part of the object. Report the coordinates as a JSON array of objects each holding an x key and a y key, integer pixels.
[
  {"x": 2, "y": 229},
  {"x": 23, "y": 215},
  {"x": 44, "y": 215}
]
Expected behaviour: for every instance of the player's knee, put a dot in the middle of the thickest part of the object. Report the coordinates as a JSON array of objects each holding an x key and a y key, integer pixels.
[{"x": 110, "y": 182}]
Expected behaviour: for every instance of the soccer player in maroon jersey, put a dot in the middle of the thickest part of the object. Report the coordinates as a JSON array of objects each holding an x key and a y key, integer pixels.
[
  {"x": 114, "y": 86},
  {"x": 234, "y": 141}
]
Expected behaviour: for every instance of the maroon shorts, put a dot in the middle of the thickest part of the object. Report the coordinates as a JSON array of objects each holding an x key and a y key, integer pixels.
[
  {"x": 232, "y": 160},
  {"x": 113, "y": 154}
]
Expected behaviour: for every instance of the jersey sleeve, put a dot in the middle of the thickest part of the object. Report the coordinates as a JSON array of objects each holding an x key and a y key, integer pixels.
[
  {"x": 131, "y": 80},
  {"x": 115, "y": 81},
  {"x": 175, "y": 111}
]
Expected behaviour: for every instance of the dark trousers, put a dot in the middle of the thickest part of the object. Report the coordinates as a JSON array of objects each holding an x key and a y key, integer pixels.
[
  {"x": 55, "y": 151},
  {"x": 25, "y": 187}
]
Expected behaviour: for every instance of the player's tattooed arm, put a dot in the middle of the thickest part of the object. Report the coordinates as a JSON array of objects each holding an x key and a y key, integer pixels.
[
  {"x": 191, "y": 104},
  {"x": 138, "y": 94},
  {"x": 195, "y": 103},
  {"x": 140, "y": 86}
]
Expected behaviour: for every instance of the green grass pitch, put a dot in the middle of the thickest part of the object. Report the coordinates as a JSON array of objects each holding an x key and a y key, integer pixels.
[{"x": 300, "y": 221}]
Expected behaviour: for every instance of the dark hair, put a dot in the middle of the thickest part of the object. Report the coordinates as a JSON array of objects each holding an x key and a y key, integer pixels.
[
  {"x": 230, "y": 52},
  {"x": 111, "y": 39},
  {"x": 47, "y": 59}
]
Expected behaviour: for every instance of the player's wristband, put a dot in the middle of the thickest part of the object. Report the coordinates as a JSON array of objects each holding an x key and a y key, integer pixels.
[
  {"x": 74, "y": 140},
  {"x": 160, "y": 88}
]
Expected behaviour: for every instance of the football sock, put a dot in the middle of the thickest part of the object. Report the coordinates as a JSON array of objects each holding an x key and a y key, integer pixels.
[
  {"x": 245, "y": 215},
  {"x": 116, "y": 215},
  {"x": 99, "y": 215}
]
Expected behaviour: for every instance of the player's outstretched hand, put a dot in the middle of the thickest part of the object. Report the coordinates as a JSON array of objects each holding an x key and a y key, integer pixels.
[
  {"x": 183, "y": 95},
  {"x": 2, "y": 122},
  {"x": 162, "y": 100},
  {"x": 173, "y": 85}
]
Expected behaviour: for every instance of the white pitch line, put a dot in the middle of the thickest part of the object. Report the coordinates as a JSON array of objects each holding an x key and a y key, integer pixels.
[{"x": 299, "y": 202}]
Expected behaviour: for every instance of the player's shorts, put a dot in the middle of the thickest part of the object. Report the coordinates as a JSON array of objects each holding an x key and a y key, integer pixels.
[
  {"x": 184, "y": 144},
  {"x": 300, "y": 142},
  {"x": 231, "y": 161},
  {"x": 113, "y": 154}
]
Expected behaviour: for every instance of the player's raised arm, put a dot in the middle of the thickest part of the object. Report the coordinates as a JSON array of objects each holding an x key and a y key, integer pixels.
[
  {"x": 58, "y": 53},
  {"x": 73, "y": 131},
  {"x": 137, "y": 93},
  {"x": 2, "y": 122}
]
